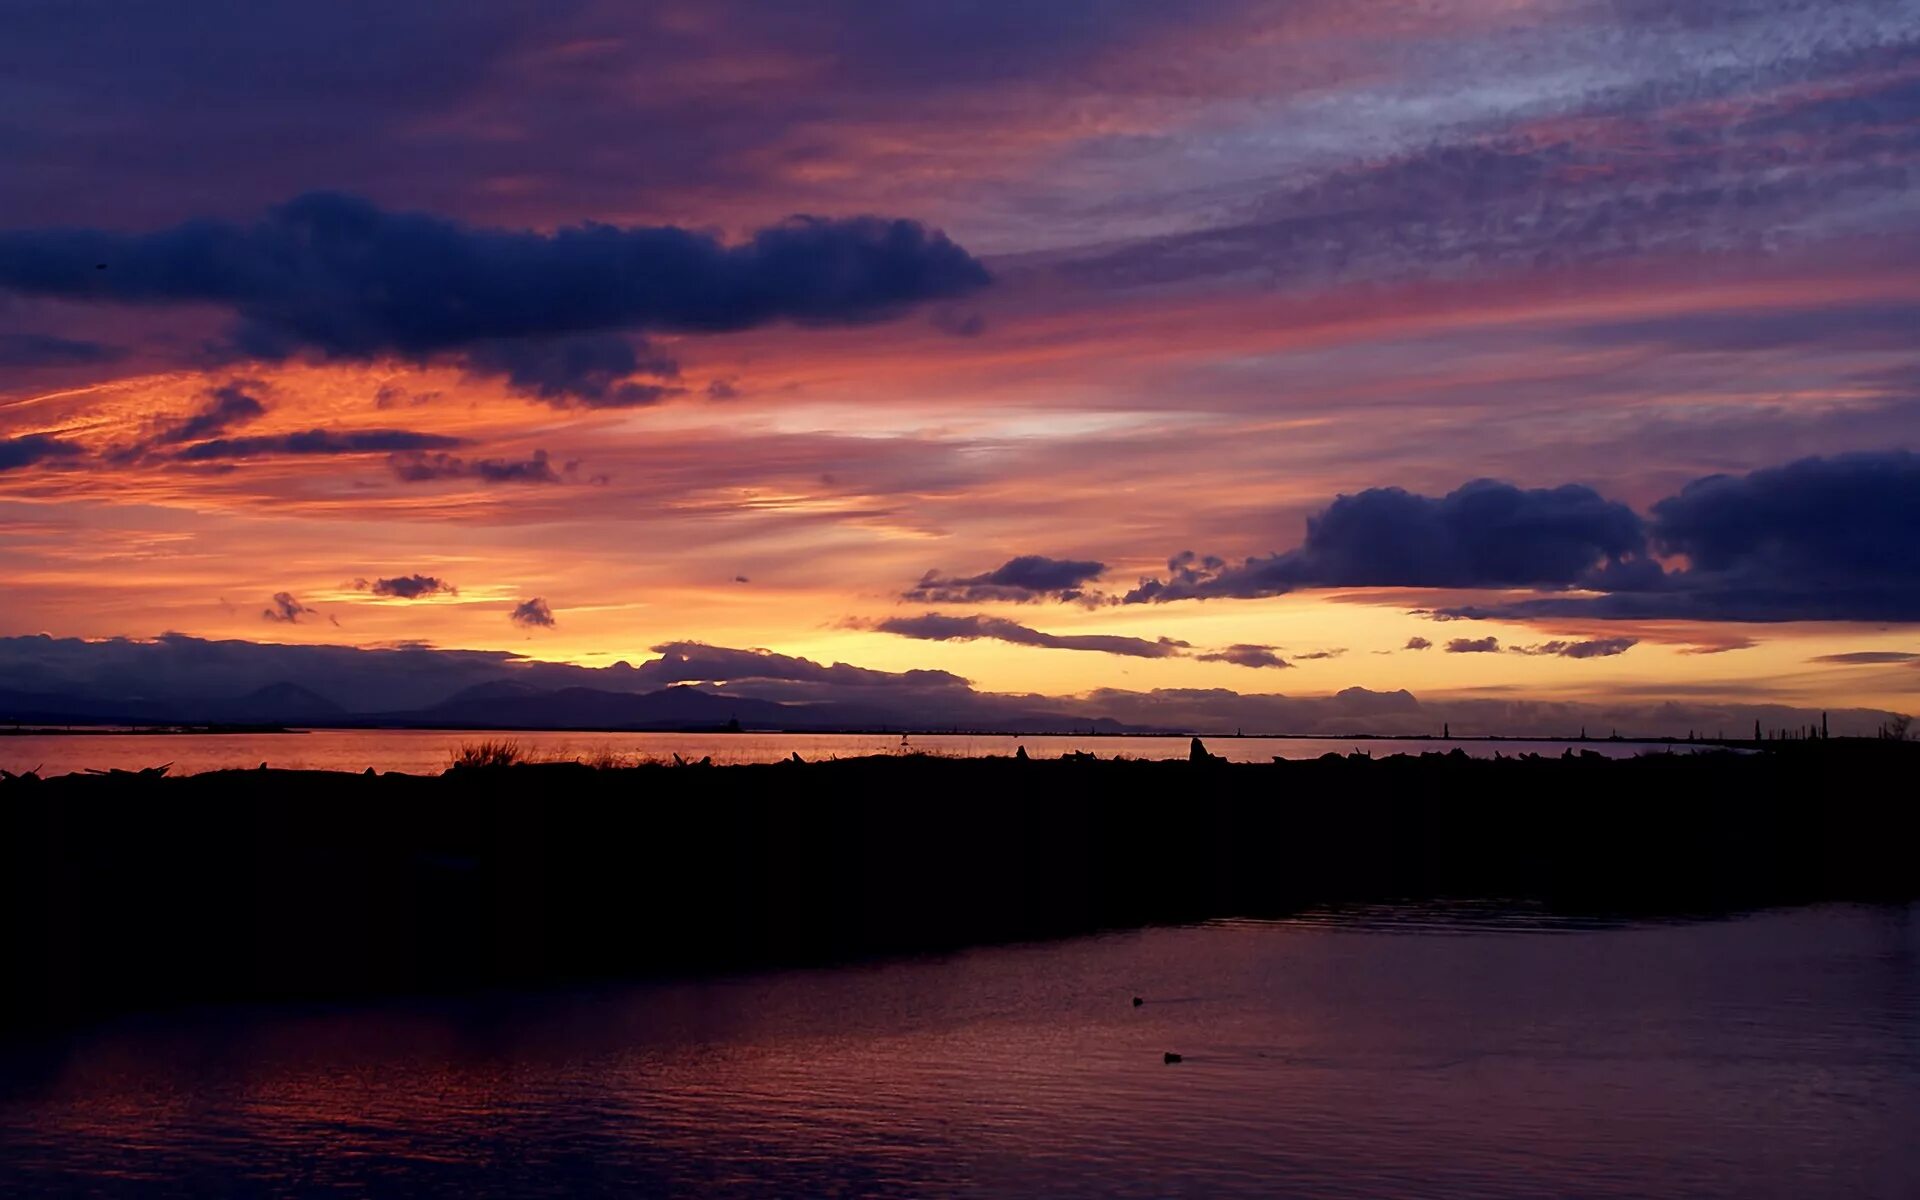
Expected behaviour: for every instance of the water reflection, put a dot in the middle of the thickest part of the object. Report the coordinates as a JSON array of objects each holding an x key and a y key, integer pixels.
[
  {"x": 426, "y": 751},
  {"x": 1339, "y": 1055}
]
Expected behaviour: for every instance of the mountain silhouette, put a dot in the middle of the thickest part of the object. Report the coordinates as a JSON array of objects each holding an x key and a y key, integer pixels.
[
  {"x": 513, "y": 705},
  {"x": 280, "y": 704},
  {"x": 275, "y": 704}
]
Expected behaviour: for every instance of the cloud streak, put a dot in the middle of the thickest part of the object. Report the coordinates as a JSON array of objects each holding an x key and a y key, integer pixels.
[
  {"x": 939, "y": 627},
  {"x": 426, "y": 468},
  {"x": 1592, "y": 648},
  {"x": 1868, "y": 658},
  {"x": 316, "y": 443},
  {"x": 1246, "y": 654},
  {"x": 942, "y": 627}
]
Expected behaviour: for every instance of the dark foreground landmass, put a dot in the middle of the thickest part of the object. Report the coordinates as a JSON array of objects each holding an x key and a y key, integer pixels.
[{"x": 126, "y": 892}]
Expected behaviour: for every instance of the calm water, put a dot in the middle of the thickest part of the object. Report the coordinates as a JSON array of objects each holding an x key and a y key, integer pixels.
[
  {"x": 426, "y": 751},
  {"x": 1363, "y": 1055}
]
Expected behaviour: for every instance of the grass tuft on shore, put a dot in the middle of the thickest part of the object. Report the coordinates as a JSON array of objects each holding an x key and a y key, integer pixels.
[{"x": 491, "y": 752}]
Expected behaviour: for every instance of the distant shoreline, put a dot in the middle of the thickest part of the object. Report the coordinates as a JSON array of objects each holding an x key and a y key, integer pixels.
[
  {"x": 135, "y": 890},
  {"x": 709, "y": 731},
  {"x": 146, "y": 730}
]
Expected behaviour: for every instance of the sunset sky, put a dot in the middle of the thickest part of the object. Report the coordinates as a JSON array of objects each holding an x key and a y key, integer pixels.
[{"x": 1060, "y": 346}]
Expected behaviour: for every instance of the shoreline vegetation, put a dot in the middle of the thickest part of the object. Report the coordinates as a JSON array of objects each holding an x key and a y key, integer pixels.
[{"x": 133, "y": 891}]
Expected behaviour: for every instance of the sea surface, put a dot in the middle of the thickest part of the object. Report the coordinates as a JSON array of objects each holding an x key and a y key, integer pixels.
[
  {"x": 1379, "y": 1053},
  {"x": 420, "y": 752}
]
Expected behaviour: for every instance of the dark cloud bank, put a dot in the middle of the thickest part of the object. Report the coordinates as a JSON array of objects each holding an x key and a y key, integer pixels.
[
  {"x": 34, "y": 448},
  {"x": 407, "y": 587},
  {"x": 47, "y": 350},
  {"x": 226, "y": 407},
  {"x": 1821, "y": 539},
  {"x": 532, "y": 614},
  {"x": 557, "y": 314},
  {"x": 184, "y": 678},
  {"x": 1485, "y": 534},
  {"x": 1030, "y": 577},
  {"x": 1484, "y": 645},
  {"x": 286, "y": 609}
]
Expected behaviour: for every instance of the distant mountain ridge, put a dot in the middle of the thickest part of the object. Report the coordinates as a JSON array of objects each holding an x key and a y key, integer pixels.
[
  {"x": 274, "y": 704},
  {"x": 511, "y": 704},
  {"x": 281, "y": 704},
  {"x": 176, "y": 679}
]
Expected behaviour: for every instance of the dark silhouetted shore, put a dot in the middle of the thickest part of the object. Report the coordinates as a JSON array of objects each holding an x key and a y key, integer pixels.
[{"x": 124, "y": 892}]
